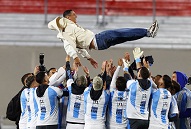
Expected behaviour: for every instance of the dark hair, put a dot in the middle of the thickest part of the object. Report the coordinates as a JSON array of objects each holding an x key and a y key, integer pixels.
[
  {"x": 48, "y": 72},
  {"x": 176, "y": 86},
  {"x": 167, "y": 81},
  {"x": 158, "y": 75},
  {"x": 147, "y": 58},
  {"x": 121, "y": 83},
  {"x": 23, "y": 78},
  {"x": 29, "y": 81},
  {"x": 40, "y": 77},
  {"x": 144, "y": 72},
  {"x": 67, "y": 12}
]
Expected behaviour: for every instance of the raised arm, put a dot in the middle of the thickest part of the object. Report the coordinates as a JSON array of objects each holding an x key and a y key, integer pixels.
[
  {"x": 57, "y": 78},
  {"x": 114, "y": 78},
  {"x": 126, "y": 64},
  {"x": 86, "y": 71},
  {"x": 69, "y": 77},
  {"x": 137, "y": 54}
]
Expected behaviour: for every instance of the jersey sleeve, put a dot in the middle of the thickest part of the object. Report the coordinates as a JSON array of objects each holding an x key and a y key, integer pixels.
[
  {"x": 57, "y": 78},
  {"x": 84, "y": 53},
  {"x": 70, "y": 50},
  {"x": 173, "y": 107},
  {"x": 128, "y": 84},
  {"x": 69, "y": 83},
  {"x": 58, "y": 91},
  {"x": 114, "y": 78}
]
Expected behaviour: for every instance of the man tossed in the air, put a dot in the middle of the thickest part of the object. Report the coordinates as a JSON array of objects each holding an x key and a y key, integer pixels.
[{"x": 78, "y": 40}]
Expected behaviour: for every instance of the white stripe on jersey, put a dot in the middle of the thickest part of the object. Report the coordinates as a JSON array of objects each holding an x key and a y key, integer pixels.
[
  {"x": 48, "y": 106},
  {"x": 23, "y": 102},
  {"x": 95, "y": 110},
  {"x": 160, "y": 107},
  {"x": 75, "y": 111},
  {"x": 32, "y": 109},
  {"x": 138, "y": 100}
]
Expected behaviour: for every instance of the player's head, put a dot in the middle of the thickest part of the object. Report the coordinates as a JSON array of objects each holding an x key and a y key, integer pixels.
[
  {"x": 121, "y": 83},
  {"x": 157, "y": 78},
  {"x": 143, "y": 73},
  {"x": 174, "y": 88},
  {"x": 51, "y": 71},
  {"x": 81, "y": 81},
  {"x": 70, "y": 14},
  {"x": 31, "y": 82},
  {"x": 180, "y": 77},
  {"x": 165, "y": 82},
  {"x": 42, "y": 78},
  {"x": 24, "y": 78},
  {"x": 97, "y": 83}
]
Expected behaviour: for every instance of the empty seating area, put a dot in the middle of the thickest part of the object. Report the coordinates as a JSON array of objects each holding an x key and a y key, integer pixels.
[
  {"x": 112, "y": 7},
  {"x": 25, "y": 20}
]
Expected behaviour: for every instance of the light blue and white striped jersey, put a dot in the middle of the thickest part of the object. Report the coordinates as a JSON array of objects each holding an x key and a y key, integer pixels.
[
  {"x": 32, "y": 109},
  {"x": 95, "y": 111},
  {"x": 116, "y": 115},
  {"x": 161, "y": 108},
  {"x": 138, "y": 101},
  {"x": 23, "y": 101},
  {"x": 117, "y": 109},
  {"x": 75, "y": 110},
  {"x": 48, "y": 106},
  {"x": 183, "y": 99}
]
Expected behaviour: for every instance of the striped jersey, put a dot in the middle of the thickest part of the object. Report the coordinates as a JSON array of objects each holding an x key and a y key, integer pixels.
[
  {"x": 161, "y": 108},
  {"x": 116, "y": 115},
  {"x": 117, "y": 109},
  {"x": 23, "y": 102},
  {"x": 32, "y": 109},
  {"x": 48, "y": 106},
  {"x": 138, "y": 101},
  {"x": 95, "y": 110},
  {"x": 75, "y": 110}
]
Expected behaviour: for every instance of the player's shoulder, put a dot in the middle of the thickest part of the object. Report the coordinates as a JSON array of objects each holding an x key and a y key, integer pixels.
[{"x": 130, "y": 82}]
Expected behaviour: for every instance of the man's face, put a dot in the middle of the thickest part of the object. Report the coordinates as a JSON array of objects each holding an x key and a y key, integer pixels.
[
  {"x": 160, "y": 82},
  {"x": 46, "y": 79},
  {"x": 156, "y": 80},
  {"x": 52, "y": 71},
  {"x": 72, "y": 16},
  {"x": 127, "y": 56},
  {"x": 174, "y": 77}
]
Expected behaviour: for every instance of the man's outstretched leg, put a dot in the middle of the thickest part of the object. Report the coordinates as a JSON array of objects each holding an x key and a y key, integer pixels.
[{"x": 109, "y": 38}]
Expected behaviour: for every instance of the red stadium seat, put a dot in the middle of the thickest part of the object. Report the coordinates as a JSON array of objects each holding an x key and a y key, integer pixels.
[{"x": 112, "y": 7}]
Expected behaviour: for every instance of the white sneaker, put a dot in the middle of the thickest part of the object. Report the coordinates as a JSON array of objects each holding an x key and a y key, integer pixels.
[{"x": 153, "y": 29}]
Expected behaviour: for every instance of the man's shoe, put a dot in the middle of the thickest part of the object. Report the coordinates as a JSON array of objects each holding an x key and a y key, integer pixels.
[{"x": 153, "y": 29}]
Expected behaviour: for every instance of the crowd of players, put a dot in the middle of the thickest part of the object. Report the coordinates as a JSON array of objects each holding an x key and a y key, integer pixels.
[{"x": 134, "y": 100}]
